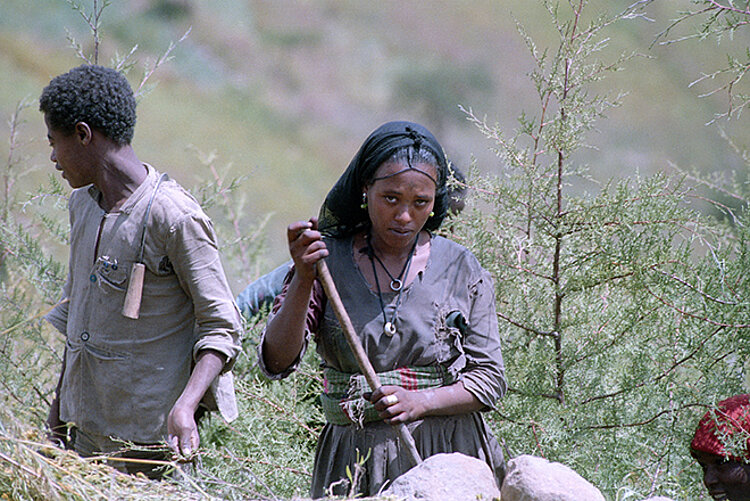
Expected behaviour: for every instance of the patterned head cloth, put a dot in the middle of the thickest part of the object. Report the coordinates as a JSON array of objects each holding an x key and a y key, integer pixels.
[
  {"x": 725, "y": 431},
  {"x": 341, "y": 214}
]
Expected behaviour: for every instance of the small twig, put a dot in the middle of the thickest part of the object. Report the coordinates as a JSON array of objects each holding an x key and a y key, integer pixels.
[
  {"x": 694, "y": 315},
  {"x": 282, "y": 411},
  {"x": 536, "y": 439},
  {"x": 19, "y": 465},
  {"x": 697, "y": 290},
  {"x": 31, "y": 319},
  {"x": 93, "y": 20},
  {"x": 655, "y": 379},
  {"x": 525, "y": 327},
  {"x": 190, "y": 480},
  {"x": 161, "y": 60},
  {"x": 614, "y": 339},
  {"x": 14, "y": 124},
  {"x": 233, "y": 218},
  {"x": 640, "y": 423}
]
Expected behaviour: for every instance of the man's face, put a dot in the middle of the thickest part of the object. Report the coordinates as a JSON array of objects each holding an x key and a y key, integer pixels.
[
  {"x": 724, "y": 478},
  {"x": 68, "y": 155}
]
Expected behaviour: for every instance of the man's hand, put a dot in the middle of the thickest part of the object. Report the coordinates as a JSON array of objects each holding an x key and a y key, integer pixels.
[
  {"x": 57, "y": 430},
  {"x": 182, "y": 431}
]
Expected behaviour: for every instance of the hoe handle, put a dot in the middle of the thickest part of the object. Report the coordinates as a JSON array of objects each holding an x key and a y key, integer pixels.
[{"x": 359, "y": 353}]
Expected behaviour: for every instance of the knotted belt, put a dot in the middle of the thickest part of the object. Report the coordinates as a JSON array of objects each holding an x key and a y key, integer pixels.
[{"x": 343, "y": 403}]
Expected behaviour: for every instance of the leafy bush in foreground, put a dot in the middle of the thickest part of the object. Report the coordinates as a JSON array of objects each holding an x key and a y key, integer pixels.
[{"x": 622, "y": 311}]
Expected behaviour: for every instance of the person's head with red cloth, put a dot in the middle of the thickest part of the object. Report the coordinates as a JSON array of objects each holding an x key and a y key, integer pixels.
[{"x": 721, "y": 445}]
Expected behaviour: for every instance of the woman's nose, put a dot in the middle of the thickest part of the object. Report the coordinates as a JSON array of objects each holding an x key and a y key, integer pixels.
[
  {"x": 403, "y": 215},
  {"x": 709, "y": 476}
]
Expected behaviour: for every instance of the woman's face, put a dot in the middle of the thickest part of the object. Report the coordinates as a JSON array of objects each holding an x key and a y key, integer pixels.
[
  {"x": 724, "y": 478},
  {"x": 399, "y": 206}
]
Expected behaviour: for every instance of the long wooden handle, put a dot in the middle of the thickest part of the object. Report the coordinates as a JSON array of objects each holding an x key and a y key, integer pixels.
[{"x": 359, "y": 353}]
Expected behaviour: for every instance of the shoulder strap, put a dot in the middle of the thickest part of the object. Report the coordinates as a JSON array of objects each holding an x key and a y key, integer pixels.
[{"x": 146, "y": 217}]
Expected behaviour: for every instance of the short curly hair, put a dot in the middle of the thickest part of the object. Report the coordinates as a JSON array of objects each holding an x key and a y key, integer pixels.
[{"x": 98, "y": 96}]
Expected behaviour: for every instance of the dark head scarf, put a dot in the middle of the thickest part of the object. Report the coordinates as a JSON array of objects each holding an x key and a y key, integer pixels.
[
  {"x": 341, "y": 214},
  {"x": 719, "y": 427}
]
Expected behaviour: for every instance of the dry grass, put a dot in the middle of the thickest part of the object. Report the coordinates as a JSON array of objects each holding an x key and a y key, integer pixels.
[{"x": 32, "y": 469}]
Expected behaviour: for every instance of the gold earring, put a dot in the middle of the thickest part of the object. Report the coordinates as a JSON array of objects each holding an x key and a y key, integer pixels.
[{"x": 432, "y": 213}]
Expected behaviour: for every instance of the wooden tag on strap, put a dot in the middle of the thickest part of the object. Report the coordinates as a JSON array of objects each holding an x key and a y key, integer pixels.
[{"x": 132, "y": 306}]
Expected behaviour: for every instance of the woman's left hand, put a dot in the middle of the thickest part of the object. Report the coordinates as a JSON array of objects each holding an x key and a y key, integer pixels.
[{"x": 397, "y": 405}]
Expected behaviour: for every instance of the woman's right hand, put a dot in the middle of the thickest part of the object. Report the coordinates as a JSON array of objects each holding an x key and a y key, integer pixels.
[
  {"x": 306, "y": 247},
  {"x": 285, "y": 330}
]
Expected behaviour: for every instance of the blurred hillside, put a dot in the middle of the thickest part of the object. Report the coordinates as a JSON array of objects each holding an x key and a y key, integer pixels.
[{"x": 285, "y": 91}]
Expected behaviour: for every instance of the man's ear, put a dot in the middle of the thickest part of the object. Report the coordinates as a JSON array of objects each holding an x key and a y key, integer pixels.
[{"x": 83, "y": 132}]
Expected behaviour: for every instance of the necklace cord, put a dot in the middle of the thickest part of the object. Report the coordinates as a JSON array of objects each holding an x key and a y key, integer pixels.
[{"x": 404, "y": 273}]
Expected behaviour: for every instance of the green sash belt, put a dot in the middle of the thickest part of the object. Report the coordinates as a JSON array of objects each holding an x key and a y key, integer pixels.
[{"x": 342, "y": 399}]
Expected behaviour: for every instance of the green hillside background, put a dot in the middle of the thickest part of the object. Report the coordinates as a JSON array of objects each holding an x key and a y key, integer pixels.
[{"x": 285, "y": 91}]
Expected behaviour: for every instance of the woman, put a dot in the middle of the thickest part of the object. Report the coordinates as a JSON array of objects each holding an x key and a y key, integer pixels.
[
  {"x": 721, "y": 446},
  {"x": 422, "y": 306}
]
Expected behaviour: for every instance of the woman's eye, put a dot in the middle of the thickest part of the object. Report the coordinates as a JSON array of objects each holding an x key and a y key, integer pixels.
[{"x": 390, "y": 199}]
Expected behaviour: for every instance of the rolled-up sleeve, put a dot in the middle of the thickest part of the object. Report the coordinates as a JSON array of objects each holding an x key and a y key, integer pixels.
[
  {"x": 314, "y": 312},
  {"x": 58, "y": 316},
  {"x": 484, "y": 375},
  {"x": 194, "y": 254}
]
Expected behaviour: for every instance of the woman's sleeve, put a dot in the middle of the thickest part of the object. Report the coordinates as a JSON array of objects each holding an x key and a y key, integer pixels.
[
  {"x": 314, "y": 314},
  {"x": 484, "y": 374}
]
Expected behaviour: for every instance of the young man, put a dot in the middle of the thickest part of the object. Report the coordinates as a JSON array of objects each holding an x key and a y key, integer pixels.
[{"x": 133, "y": 374}]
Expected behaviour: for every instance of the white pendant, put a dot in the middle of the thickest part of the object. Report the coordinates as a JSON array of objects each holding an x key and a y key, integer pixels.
[
  {"x": 389, "y": 329},
  {"x": 396, "y": 285}
]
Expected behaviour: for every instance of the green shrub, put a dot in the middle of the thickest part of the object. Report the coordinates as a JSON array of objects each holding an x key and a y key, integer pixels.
[{"x": 622, "y": 310}]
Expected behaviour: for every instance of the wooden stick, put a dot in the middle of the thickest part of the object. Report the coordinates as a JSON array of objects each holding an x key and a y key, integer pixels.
[{"x": 359, "y": 353}]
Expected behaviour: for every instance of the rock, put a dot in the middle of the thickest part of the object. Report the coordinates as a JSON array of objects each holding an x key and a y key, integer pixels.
[
  {"x": 441, "y": 477},
  {"x": 531, "y": 478}
]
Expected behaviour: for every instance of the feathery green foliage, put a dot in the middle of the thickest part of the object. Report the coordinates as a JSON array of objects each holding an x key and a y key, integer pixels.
[
  {"x": 622, "y": 311},
  {"x": 268, "y": 451},
  {"x": 717, "y": 20}
]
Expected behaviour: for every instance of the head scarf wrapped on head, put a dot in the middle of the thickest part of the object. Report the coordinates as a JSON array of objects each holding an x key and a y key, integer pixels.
[
  {"x": 728, "y": 424},
  {"x": 342, "y": 215}
]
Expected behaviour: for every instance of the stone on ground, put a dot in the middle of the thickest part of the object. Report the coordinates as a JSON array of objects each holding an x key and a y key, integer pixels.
[
  {"x": 442, "y": 477},
  {"x": 531, "y": 478}
]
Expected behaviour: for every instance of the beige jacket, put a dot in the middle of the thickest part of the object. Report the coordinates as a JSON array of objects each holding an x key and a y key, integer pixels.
[{"x": 122, "y": 376}]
